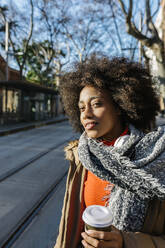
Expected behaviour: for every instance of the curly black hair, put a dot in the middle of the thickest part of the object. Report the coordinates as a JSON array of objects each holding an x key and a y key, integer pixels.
[{"x": 129, "y": 84}]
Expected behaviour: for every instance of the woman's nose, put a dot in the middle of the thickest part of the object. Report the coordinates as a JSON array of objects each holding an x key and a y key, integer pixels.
[{"x": 87, "y": 113}]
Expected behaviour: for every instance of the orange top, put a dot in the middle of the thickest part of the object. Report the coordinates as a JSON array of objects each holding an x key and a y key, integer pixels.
[{"x": 96, "y": 190}]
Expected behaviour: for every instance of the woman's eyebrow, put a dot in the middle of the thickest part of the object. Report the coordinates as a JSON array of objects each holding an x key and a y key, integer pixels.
[{"x": 91, "y": 98}]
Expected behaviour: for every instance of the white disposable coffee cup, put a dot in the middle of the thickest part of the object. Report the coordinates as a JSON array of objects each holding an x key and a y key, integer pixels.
[{"x": 97, "y": 217}]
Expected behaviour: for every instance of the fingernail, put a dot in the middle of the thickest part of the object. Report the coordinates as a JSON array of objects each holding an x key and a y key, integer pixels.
[{"x": 82, "y": 242}]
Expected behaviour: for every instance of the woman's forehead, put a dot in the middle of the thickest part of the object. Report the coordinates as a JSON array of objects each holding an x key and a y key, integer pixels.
[
  {"x": 91, "y": 92},
  {"x": 94, "y": 91}
]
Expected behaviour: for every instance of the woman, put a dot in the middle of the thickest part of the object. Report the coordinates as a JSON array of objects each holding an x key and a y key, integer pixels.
[{"x": 118, "y": 161}]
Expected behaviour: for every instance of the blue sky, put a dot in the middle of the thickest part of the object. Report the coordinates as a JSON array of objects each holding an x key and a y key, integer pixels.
[
  {"x": 23, "y": 4},
  {"x": 16, "y": 2}
]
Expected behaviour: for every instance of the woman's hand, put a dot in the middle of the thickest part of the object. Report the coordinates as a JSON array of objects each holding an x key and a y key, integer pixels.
[{"x": 100, "y": 239}]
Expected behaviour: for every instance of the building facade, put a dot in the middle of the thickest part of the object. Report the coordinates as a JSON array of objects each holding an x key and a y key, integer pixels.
[{"x": 22, "y": 101}]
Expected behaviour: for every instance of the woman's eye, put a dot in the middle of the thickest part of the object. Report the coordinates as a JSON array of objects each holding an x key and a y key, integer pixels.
[
  {"x": 81, "y": 108},
  {"x": 97, "y": 104}
]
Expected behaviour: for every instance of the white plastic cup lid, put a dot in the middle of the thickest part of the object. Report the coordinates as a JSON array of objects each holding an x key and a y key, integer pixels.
[{"x": 97, "y": 216}]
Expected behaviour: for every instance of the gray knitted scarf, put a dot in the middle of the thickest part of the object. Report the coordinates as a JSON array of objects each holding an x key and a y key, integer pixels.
[{"x": 136, "y": 168}]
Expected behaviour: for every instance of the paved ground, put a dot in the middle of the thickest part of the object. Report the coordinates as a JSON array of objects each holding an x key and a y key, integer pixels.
[
  {"x": 13, "y": 128},
  {"x": 32, "y": 184}
]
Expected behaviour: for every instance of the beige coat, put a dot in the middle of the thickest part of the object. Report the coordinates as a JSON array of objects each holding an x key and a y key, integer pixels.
[{"x": 71, "y": 225}]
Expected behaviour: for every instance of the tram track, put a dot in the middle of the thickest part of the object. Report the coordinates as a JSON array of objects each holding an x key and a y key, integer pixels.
[
  {"x": 28, "y": 217},
  {"x": 18, "y": 168}
]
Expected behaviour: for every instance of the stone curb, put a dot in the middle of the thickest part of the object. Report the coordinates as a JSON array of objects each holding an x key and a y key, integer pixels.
[{"x": 30, "y": 126}]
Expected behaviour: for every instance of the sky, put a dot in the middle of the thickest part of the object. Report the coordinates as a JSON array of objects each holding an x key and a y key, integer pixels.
[{"x": 139, "y": 5}]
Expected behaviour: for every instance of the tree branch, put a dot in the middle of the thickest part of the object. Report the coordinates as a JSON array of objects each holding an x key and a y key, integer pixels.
[
  {"x": 130, "y": 9},
  {"x": 133, "y": 30},
  {"x": 30, "y": 33},
  {"x": 116, "y": 26},
  {"x": 69, "y": 36},
  {"x": 150, "y": 25},
  {"x": 157, "y": 9},
  {"x": 123, "y": 7}
]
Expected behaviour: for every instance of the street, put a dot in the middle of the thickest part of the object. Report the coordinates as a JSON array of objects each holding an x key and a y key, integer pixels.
[{"x": 32, "y": 183}]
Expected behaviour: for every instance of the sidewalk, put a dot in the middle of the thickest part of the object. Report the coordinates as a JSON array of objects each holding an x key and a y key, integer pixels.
[{"x": 13, "y": 128}]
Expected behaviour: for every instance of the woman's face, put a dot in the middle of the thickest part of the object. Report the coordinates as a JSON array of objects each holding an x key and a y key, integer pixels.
[{"x": 98, "y": 114}]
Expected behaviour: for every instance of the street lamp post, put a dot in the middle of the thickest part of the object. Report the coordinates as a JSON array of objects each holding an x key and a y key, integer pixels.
[{"x": 7, "y": 48}]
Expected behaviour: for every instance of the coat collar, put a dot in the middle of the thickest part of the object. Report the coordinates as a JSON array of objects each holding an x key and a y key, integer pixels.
[{"x": 71, "y": 151}]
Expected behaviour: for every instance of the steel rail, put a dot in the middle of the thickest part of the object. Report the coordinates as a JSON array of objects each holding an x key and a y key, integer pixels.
[
  {"x": 18, "y": 168},
  {"x": 28, "y": 218}
]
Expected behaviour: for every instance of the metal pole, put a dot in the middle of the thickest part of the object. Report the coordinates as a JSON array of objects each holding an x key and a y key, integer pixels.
[
  {"x": 7, "y": 48},
  {"x": 140, "y": 45}
]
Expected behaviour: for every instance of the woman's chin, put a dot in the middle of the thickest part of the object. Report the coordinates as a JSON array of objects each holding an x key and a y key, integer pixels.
[{"x": 92, "y": 134}]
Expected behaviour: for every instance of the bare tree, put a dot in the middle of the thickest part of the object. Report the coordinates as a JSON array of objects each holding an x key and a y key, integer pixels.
[
  {"x": 82, "y": 29},
  {"x": 20, "y": 32},
  {"x": 149, "y": 36},
  {"x": 52, "y": 17}
]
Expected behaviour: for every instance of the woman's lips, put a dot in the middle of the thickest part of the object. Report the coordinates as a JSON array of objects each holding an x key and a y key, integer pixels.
[{"x": 90, "y": 125}]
